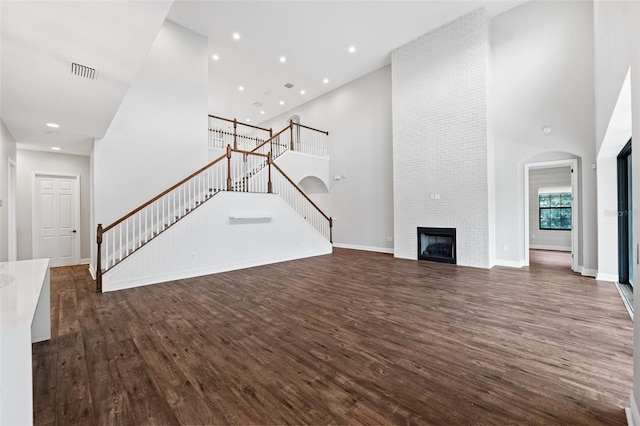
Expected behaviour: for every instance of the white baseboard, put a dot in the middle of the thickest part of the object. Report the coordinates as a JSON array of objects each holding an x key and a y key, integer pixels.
[
  {"x": 633, "y": 415},
  {"x": 364, "y": 248},
  {"x": 547, "y": 247},
  {"x": 85, "y": 261},
  {"x": 92, "y": 271},
  {"x": 585, "y": 272},
  {"x": 509, "y": 263},
  {"x": 607, "y": 277}
]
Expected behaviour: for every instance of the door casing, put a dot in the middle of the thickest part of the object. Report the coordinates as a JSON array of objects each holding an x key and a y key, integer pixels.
[{"x": 35, "y": 240}]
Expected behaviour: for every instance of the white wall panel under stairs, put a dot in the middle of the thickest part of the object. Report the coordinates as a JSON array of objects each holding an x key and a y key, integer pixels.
[{"x": 231, "y": 231}]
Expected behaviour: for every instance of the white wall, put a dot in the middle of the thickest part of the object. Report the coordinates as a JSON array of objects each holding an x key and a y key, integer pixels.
[
  {"x": 36, "y": 161},
  {"x": 543, "y": 238},
  {"x": 358, "y": 118},
  {"x": 233, "y": 230},
  {"x": 7, "y": 152},
  {"x": 440, "y": 138},
  {"x": 159, "y": 134},
  {"x": 615, "y": 44},
  {"x": 300, "y": 167},
  {"x": 607, "y": 219},
  {"x": 542, "y": 63},
  {"x": 617, "y": 47}
]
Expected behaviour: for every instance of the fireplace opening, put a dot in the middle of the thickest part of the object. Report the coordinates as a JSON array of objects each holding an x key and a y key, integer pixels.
[{"x": 437, "y": 244}]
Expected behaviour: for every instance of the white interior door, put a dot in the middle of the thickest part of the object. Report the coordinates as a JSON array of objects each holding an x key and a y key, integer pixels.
[{"x": 56, "y": 219}]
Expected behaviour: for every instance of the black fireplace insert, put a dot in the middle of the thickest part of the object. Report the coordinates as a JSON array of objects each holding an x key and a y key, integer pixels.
[{"x": 437, "y": 244}]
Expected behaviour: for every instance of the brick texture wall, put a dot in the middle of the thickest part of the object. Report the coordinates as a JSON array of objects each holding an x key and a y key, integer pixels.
[{"x": 440, "y": 138}]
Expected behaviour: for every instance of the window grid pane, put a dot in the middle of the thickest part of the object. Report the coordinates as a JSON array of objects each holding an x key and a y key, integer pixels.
[{"x": 555, "y": 211}]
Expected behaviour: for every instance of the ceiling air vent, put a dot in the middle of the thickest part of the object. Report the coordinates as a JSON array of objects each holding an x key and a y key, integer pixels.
[
  {"x": 288, "y": 85},
  {"x": 84, "y": 71}
]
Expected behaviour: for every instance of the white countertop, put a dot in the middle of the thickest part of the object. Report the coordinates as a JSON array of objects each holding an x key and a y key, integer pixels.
[{"x": 20, "y": 285}]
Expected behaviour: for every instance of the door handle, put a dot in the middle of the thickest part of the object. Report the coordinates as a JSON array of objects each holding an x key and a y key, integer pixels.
[{"x": 74, "y": 231}]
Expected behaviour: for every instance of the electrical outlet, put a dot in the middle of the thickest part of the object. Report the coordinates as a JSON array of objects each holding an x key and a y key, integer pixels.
[
  {"x": 533, "y": 236},
  {"x": 506, "y": 247},
  {"x": 389, "y": 239}
]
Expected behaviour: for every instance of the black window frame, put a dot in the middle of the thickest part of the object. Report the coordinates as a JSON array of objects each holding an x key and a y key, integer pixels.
[
  {"x": 551, "y": 208},
  {"x": 625, "y": 264}
]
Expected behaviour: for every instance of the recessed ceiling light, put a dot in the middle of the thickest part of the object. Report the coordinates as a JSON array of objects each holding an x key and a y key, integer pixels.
[
  {"x": 281, "y": 102},
  {"x": 241, "y": 88},
  {"x": 215, "y": 57},
  {"x": 262, "y": 112},
  {"x": 302, "y": 92},
  {"x": 546, "y": 130},
  {"x": 352, "y": 49},
  {"x": 236, "y": 36},
  {"x": 325, "y": 81},
  {"x": 53, "y": 125},
  {"x": 55, "y": 148},
  {"x": 283, "y": 59},
  {"x": 248, "y": 120}
]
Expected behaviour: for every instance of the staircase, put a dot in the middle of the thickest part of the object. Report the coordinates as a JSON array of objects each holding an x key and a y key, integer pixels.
[{"x": 247, "y": 166}]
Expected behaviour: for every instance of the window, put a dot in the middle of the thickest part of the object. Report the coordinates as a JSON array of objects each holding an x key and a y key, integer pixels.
[{"x": 555, "y": 211}]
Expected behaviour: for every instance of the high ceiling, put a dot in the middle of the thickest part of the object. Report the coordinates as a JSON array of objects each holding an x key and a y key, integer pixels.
[
  {"x": 313, "y": 36},
  {"x": 39, "y": 40}
]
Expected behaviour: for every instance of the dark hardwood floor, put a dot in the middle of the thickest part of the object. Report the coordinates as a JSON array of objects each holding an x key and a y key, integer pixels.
[{"x": 347, "y": 338}]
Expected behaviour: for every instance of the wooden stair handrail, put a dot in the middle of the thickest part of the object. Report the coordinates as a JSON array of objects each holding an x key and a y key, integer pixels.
[
  {"x": 311, "y": 128},
  {"x": 288, "y": 127},
  {"x": 239, "y": 122},
  {"x": 270, "y": 139},
  {"x": 239, "y": 151},
  {"x": 301, "y": 192},
  {"x": 165, "y": 192},
  {"x": 157, "y": 197}
]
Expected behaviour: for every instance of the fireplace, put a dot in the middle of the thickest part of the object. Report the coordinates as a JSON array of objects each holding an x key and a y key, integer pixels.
[{"x": 437, "y": 244}]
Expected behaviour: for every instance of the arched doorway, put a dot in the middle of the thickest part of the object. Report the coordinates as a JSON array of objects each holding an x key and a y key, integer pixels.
[{"x": 546, "y": 208}]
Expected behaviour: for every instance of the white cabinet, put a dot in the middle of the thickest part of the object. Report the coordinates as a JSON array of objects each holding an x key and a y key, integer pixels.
[{"x": 25, "y": 318}]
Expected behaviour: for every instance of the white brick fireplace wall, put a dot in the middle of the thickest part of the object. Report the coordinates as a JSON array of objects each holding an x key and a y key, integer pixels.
[{"x": 441, "y": 148}]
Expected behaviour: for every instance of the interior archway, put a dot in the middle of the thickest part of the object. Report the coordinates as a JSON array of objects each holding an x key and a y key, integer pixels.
[{"x": 313, "y": 185}]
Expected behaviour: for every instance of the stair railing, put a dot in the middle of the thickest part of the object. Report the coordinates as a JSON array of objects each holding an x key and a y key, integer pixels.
[
  {"x": 224, "y": 131},
  {"x": 308, "y": 140},
  {"x": 276, "y": 145},
  {"x": 242, "y": 171},
  {"x": 296, "y": 137},
  {"x": 247, "y": 137},
  {"x": 138, "y": 227},
  {"x": 293, "y": 195}
]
